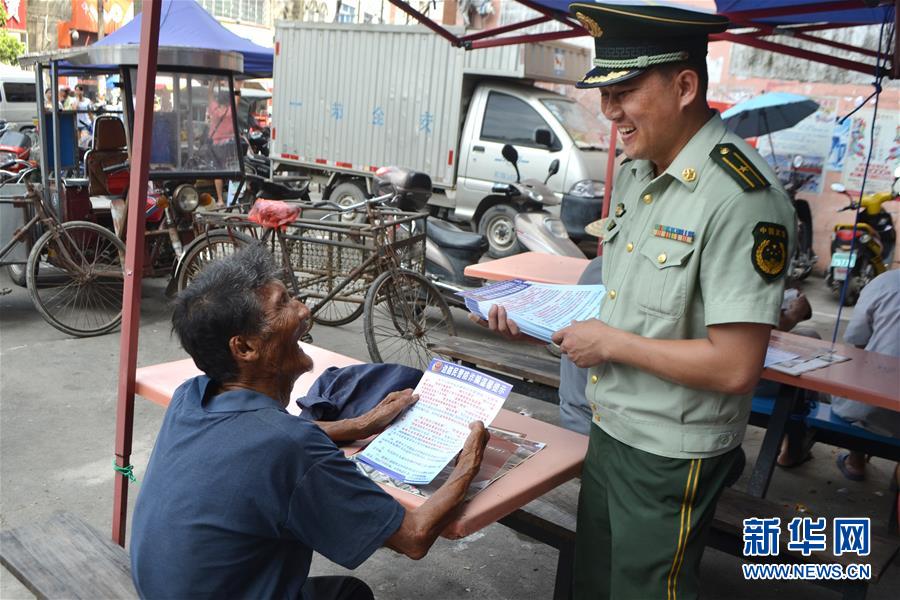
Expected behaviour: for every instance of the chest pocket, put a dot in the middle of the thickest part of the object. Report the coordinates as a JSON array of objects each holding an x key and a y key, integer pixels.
[{"x": 663, "y": 275}]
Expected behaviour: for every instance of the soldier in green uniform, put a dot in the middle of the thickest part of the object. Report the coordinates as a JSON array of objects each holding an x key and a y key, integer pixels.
[{"x": 693, "y": 259}]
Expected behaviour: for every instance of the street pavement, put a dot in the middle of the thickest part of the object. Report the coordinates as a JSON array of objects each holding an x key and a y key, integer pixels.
[{"x": 57, "y": 424}]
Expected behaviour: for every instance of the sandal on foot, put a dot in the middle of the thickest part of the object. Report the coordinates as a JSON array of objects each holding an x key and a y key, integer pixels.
[
  {"x": 804, "y": 454},
  {"x": 845, "y": 470}
]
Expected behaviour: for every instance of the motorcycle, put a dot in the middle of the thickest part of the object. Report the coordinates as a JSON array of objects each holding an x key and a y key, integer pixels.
[
  {"x": 520, "y": 221},
  {"x": 449, "y": 249},
  {"x": 803, "y": 259},
  {"x": 15, "y": 150},
  {"x": 169, "y": 209},
  {"x": 861, "y": 260}
]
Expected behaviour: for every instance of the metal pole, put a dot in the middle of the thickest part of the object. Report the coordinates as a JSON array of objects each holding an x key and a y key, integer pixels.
[
  {"x": 54, "y": 82},
  {"x": 134, "y": 258},
  {"x": 42, "y": 124}
]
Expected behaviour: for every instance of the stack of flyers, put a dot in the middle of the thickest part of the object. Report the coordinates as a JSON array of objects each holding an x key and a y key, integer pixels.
[{"x": 539, "y": 309}]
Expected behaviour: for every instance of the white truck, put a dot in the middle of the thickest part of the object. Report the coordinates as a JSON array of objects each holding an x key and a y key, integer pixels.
[{"x": 349, "y": 99}]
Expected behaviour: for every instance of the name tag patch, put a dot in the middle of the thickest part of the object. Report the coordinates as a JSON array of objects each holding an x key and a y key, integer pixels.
[{"x": 674, "y": 233}]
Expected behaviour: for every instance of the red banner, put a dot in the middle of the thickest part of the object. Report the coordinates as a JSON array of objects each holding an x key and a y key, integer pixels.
[{"x": 15, "y": 13}]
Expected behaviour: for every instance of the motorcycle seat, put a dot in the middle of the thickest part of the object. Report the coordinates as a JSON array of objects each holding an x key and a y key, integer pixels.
[
  {"x": 447, "y": 236},
  {"x": 258, "y": 161},
  {"x": 275, "y": 191}
]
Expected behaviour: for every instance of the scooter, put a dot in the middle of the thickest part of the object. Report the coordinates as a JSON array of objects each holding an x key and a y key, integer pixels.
[
  {"x": 520, "y": 221},
  {"x": 804, "y": 259},
  {"x": 871, "y": 253},
  {"x": 449, "y": 249}
]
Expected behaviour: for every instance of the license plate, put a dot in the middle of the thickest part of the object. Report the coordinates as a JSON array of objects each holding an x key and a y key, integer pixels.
[{"x": 843, "y": 260}]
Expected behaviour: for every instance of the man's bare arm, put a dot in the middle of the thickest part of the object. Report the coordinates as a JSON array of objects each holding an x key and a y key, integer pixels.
[
  {"x": 371, "y": 423},
  {"x": 421, "y": 526}
]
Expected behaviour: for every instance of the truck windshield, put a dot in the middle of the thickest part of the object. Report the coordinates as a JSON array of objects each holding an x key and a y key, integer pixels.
[{"x": 586, "y": 130}]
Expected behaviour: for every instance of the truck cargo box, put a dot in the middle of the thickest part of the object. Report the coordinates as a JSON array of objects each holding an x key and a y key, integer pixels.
[{"x": 352, "y": 98}]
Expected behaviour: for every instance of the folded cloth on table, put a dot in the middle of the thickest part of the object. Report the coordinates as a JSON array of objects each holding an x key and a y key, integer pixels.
[{"x": 347, "y": 392}]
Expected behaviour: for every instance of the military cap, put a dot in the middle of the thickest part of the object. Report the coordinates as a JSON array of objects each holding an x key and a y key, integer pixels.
[{"x": 631, "y": 38}]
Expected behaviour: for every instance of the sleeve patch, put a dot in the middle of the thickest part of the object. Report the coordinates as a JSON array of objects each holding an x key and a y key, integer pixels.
[
  {"x": 738, "y": 167},
  {"x": 770, "y": 249}
]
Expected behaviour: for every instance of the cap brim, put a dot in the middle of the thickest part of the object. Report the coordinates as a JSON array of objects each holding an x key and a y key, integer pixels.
[
  {"x": 604, "y": 76},
  {"x": 595, "y": 228}
]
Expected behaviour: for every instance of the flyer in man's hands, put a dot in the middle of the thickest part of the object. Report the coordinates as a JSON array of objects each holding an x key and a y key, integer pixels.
[
  {"x": 539, "y": 309},
  {"x": 419, "y": 444}
]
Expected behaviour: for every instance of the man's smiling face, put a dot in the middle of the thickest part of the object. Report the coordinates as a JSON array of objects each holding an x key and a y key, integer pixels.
[{"x": 645, "y": 111}]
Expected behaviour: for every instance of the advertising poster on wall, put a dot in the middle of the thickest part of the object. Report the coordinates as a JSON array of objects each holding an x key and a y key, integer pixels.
[
  {"x": 885, "y": 150},
  {"x": 809, "y": 139}
]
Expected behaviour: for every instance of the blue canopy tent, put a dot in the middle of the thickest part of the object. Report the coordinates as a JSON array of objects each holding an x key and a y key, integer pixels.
[
  {"x": 756, "y": 23},
  {"x": 185, "y": 23}
]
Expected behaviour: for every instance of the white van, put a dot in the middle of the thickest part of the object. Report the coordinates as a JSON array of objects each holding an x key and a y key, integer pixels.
[{"x": 17, "y": 97}]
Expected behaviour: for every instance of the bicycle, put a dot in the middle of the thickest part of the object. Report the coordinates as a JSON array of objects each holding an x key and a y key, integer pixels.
[
  {"x": 75, "y": 270},
  {"x": 348, "y": 268}
]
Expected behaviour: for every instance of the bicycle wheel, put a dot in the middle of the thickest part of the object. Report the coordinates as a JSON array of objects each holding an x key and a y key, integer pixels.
[
  {"x": 75, "y": 278},
  {"x": 404, "y": 312},
  {"x": 204, "y": 250},
  {"x": 338, "y": 312}
]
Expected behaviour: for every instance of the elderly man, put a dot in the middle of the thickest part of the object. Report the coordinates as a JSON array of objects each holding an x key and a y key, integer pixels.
[
  {"x": 694, "y": 260},
  {"x": 239, "y": 493}
]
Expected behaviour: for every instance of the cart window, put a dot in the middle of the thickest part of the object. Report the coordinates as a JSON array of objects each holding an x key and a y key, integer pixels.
[
  {"x": 193, "y": 126},
  {"x": 19, "y": 92},
  {"x": 509, "y": 120}
]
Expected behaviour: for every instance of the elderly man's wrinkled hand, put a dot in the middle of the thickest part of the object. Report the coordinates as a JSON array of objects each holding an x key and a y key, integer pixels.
[
  {"x": 469, "y": 460},
  {"x": 376, "y": 420},
  {"x": 498, "y": 322},
  {"x": 585, "y": 342}
]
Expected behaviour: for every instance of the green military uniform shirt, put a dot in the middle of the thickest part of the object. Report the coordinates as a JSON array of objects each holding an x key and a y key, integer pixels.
[{"x": 704, "y": 243}]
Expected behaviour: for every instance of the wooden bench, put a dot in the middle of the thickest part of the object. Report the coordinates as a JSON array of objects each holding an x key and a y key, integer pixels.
[
  {"x": 551, "y": 519},
  {"x": 68, "y": 559}
]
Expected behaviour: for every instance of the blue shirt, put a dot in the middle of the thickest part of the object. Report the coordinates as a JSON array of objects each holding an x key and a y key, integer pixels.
[{"x": 237, "y": 495}]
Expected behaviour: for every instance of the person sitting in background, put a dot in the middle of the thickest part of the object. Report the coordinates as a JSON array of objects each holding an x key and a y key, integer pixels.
[
  {"x": 239, "y": 493},
  {"x": 875, "y": 326}
]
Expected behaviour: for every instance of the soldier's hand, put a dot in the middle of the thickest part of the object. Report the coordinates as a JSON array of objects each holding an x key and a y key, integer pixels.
[
  {"x": 498, "y": 322},
  {"x": 585, "y": 342}
]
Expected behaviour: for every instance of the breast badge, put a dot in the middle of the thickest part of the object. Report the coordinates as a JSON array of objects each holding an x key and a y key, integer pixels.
[{"x": 770, "y": 250}]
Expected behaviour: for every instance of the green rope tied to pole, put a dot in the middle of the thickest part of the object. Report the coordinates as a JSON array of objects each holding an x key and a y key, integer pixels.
[{"x": 125, "y": 471}]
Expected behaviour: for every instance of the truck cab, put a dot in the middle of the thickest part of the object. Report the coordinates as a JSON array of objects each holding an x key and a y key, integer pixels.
[{"x": 508, "y": 113}]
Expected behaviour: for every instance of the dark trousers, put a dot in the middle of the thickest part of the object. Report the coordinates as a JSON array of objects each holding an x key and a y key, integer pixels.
[
  {"x": 642, "y": 521},
  {"x": 336, "y": 588}
]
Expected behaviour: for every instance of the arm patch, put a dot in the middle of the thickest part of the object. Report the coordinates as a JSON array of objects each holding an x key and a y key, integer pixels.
[
  {"x": 770, "y": 250},
  {"x": 738, "y": 167}
]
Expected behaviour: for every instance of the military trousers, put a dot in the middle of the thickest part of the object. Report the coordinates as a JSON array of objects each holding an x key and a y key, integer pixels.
[{"x": 643, "y": 520}]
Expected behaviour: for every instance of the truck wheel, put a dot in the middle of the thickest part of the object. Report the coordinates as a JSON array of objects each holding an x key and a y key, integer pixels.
[
  {"x": 498, "y": 225},
  {"x": 347, "y": 194}
]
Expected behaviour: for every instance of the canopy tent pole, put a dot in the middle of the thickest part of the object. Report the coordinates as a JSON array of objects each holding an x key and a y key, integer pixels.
[
  {"x": 608, "y": 184},
  {"x": 134, "y": 260}
]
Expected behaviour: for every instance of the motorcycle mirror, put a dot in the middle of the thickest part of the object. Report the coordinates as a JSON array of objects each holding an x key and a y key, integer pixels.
[
  {"x": 510, "y": 154},
  {"x": 543, "y": 137},
  {"x": 839, "y": 188},
  {"x": 798, "y": 161},
  {"x": 554, "y": 167}
]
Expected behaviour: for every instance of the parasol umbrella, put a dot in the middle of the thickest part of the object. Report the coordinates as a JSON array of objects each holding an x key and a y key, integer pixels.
[{"x": 768, "y": 113}]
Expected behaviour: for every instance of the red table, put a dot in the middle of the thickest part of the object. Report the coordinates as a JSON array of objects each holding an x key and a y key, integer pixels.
[
  {"x": 559, "y": 461},
  {"x": 868, "y": 377}
]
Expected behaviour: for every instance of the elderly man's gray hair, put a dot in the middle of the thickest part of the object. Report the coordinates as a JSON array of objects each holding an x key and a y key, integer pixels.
[{"x": 220, "y": 303}]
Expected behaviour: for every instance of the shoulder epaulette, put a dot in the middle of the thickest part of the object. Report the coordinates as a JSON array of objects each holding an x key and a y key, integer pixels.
[{"x": 738, "y": 167}]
